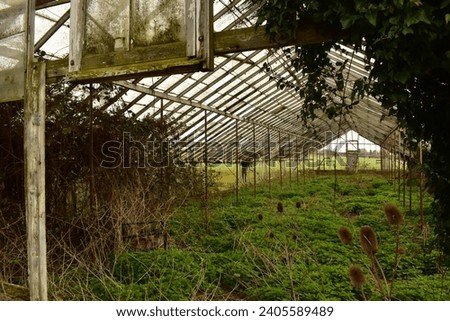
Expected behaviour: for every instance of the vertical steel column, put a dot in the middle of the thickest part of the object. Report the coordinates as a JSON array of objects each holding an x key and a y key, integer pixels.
[
  {"x": 404, "y": 175},
  {"x": 410, "y": 173},
  {"x": 162, "y": 153},
  {"x": 269, "y": 164},
  {"x": 394, "y": 167},
  {"x": 421, "y": 178},
  {"x": 254, "y": 161},
  {"x": 237, "y": 162},
  {"x": 391, "y": 165},
  {"x": 399, "y": 166},
  {"x": 303, "y": 167},
  {"x": 91, "y": 149},
  {"x": 297, "y": 157},
  {"x": 289, "y": 159},
  {"x": 206, "y": 158},
  {"x": 324, "y": 158},
  {"x": 279, "y": 160}
]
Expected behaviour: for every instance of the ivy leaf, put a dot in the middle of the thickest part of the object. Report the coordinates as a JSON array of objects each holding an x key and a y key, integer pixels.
[
  {"x": 407, "y": 31},
  {"x": 371, "y": 16},
  {"x": 398, "y": 3},
  {"x": 403, "y": 76},
  {"x": 419, "y": 16},
  {"x": 348, "y": 21}
]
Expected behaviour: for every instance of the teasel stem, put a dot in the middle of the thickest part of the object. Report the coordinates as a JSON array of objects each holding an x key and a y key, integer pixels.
[
  {"x": 396, "y": 262},
  {"x": 363, "y": 293},
  {"x": 374, "y": 271},
  {"x": 291, "y": 276},
  {"x": 375, "y": 260}
]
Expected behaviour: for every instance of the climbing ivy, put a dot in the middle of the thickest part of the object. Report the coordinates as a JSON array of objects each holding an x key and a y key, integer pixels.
[{"x": 407, "y": 49}]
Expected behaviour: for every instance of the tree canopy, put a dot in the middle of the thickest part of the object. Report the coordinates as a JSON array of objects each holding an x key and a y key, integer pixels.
[{"x": 407, "y": 49}]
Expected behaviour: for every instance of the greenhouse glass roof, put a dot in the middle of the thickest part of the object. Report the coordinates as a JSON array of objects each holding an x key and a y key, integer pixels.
[{"x": 237, "y": 100}]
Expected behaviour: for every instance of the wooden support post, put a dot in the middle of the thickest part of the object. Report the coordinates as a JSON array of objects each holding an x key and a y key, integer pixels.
[
  {"x": 254, "y": 161},
  {"x": 237, "y": 162},
  {"x": 269, "y": 160},
  {"x": 34, "y": 150},
  {"x": 279, "y": 160},
  {"x": 77, "y": 23},
  {"x": 199, "y": 31},
  {"x": 34, "y": 155}
]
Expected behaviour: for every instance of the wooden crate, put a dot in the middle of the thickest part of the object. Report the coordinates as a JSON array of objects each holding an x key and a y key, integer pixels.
[{"x": 144, "y": 235}]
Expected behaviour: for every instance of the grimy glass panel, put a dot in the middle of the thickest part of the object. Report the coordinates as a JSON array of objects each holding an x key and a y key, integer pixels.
[
  {"x": 121, "y": 25},
  {"x": 12, "y": 49},
  {"x": 157, "y": 22}
]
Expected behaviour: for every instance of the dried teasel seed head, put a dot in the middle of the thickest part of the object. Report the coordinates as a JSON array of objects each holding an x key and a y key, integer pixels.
[
  {"x": 280, "y": 207},
  {"x": 271, "y": 235},
  {"x": 345, "y": 235},
  {"x": 260, "y": 217},
  {"x": 393, "y": 215},
  {"x": 368, "y": 239},
  {"x": 298, "y": 204},
  {"x": 356, "y": 276},
  {"x": 401, "y": 251}
]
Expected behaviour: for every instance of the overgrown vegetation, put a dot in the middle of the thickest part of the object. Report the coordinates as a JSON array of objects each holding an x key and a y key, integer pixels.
[
  {"x": 103, "y": 169},
  {"x": 252, "y": 251},
  {"x": 280, "y": 245},
  {"x": 411, "y": 83}
]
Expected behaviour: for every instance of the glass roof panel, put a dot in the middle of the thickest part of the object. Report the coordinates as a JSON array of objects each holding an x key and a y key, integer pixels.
[
  {"x": 238, "y": 86},
  {"x": 12, "y": 49}
]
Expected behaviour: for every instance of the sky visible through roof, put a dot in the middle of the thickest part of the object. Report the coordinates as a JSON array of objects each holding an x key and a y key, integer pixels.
[{"x": 237, "y": 90}]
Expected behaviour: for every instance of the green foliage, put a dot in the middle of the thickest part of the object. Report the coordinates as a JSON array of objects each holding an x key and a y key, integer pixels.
[
  {"x": 235, "y": 257},
  {"x": 408, "y": 58},
  {"x": 421, "y": 288},
  {"x": 88, "y": 196}
]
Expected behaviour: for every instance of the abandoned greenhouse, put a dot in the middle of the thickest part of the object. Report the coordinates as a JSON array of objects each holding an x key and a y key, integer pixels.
[{"x": 224, "y": 150}]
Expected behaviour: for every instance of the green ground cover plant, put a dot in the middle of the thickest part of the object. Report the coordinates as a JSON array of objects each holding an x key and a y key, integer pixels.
[{"x": 253, "y": 251}]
